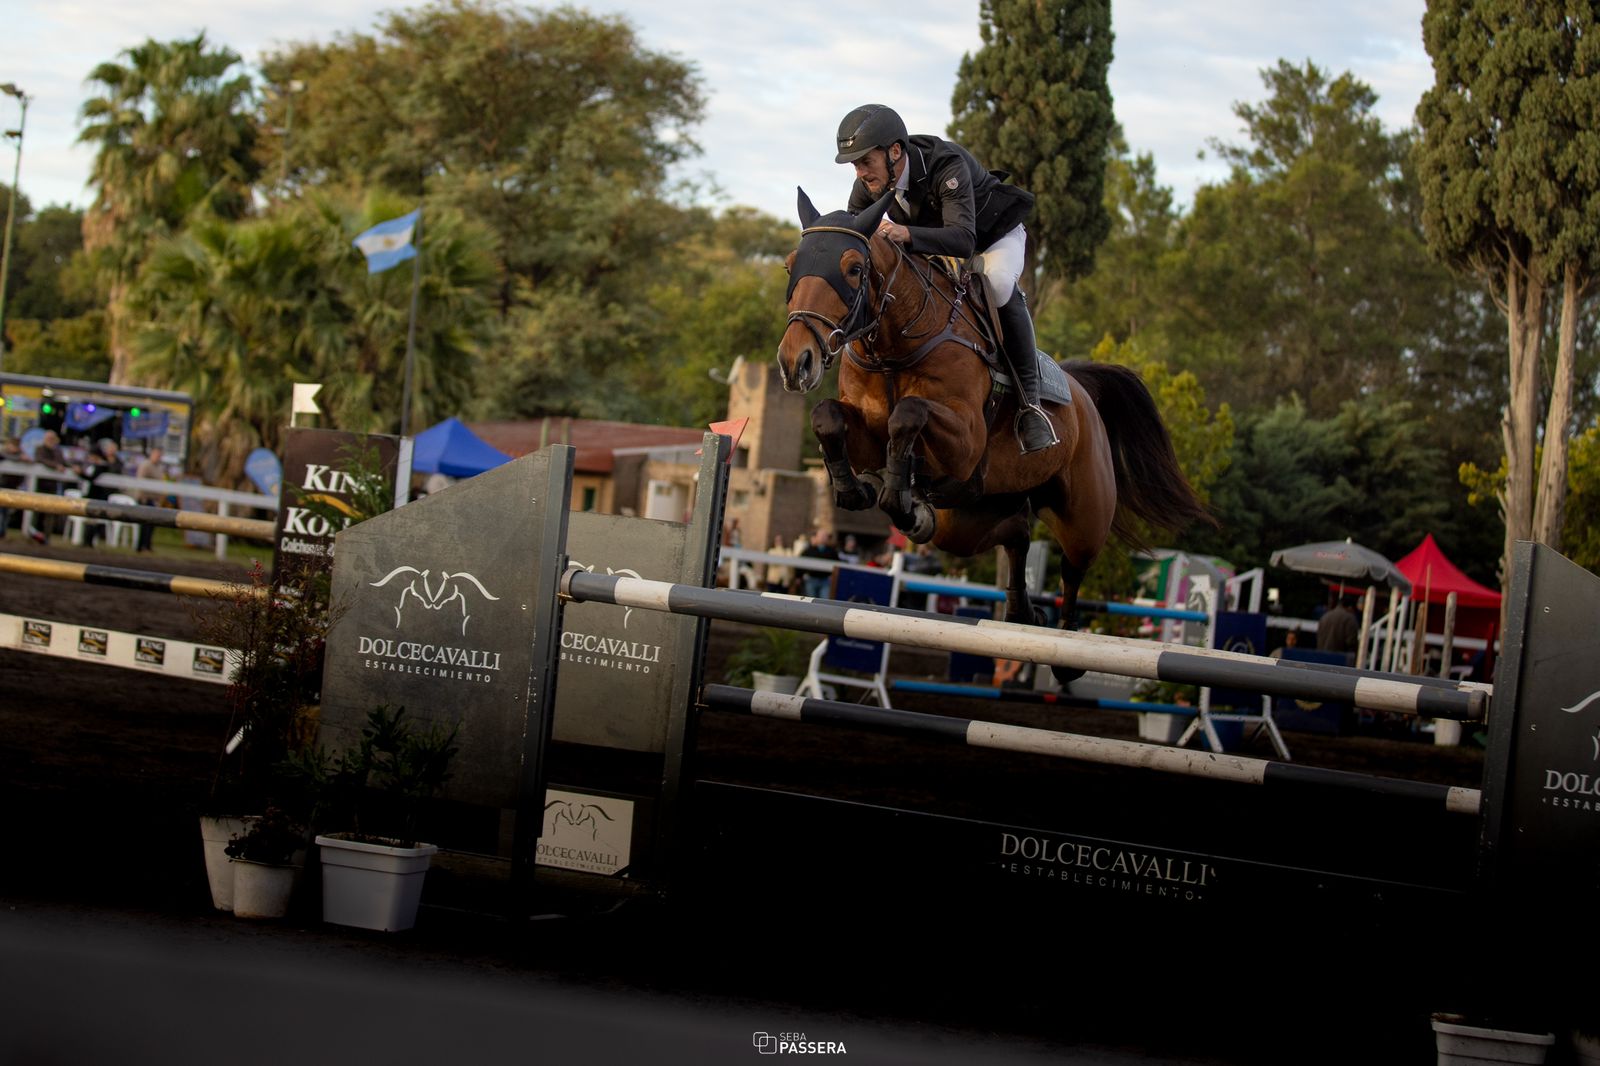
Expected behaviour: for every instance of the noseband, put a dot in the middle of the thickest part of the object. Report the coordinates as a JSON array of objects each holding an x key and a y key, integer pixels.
[{"x": 852, "y": 328}]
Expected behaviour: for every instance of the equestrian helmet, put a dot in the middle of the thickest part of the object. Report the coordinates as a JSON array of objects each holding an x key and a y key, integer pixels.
[{"x": 867, "y": 127}]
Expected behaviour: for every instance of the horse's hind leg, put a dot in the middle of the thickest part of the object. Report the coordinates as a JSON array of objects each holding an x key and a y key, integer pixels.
[
  {"x": 832, "y": 422},
  {"x": 1019, "y": 604}
]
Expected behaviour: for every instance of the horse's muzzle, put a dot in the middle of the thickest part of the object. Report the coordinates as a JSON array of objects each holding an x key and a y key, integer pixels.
[{"x": 804, "y": 372}]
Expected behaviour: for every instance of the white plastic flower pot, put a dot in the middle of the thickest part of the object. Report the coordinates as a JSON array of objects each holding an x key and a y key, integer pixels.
[
  {"x": 372, "y": 886},
  {"x": 261, "y": 890},
  {"x": 215, "y": 833}
]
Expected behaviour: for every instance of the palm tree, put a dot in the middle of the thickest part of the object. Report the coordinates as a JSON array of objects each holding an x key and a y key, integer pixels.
[
  {"x": 176, "y": 138},
  {"x": 236, "y": 312}
]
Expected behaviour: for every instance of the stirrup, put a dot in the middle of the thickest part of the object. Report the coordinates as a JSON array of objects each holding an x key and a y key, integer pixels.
[{"x": 1034, "y": 430}]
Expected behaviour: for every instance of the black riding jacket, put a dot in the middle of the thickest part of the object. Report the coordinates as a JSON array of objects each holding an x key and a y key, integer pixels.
[{"x": 957, "y": 207}]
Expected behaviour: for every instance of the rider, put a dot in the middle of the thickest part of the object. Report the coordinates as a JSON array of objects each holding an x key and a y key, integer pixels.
[{"x": 947, "y": 204}]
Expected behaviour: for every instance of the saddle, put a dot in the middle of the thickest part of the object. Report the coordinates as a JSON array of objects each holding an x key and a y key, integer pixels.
[{"x": 963, "y": 273}]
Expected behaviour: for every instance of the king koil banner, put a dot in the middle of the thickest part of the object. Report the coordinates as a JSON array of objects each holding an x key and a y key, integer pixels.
[
  {"x": 317, "y": 467},
  {"x": 434, "y": 608}
]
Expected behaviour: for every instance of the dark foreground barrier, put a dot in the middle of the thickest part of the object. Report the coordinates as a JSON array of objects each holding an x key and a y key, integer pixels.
[{"x": 609, "y": 685}]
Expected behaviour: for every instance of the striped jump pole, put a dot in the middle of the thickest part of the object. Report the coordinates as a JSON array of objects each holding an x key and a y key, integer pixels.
[
  {"x": 1005, "y": 640},
  {"x": 102, "y": 510},
  {"x": 1126, "y": 753},
  {"x": 119, "y": 577},
  {"x": 1028, "y": 695}
]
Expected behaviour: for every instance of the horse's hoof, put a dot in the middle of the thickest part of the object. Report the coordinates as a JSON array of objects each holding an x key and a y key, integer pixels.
[
  {"x": 1066, "y": 675},
  {"x": 859, "y": 499},
  {"x": 923, "y": 524}
]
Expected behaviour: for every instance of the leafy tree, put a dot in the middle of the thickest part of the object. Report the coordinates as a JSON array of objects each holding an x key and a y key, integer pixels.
[
  {"x": 1300, "y": 273},
  {"x": 554, "y": 129},
  {"x": 1202, "y": 438},
  {"x": 1034, "y": 101},
  {"x": 1581, "y": 537},
  {"x": 1368, "y": 472},
  {"x": 47, "y": 278},
  {"x": 173, "y": 136},
  {"x": 72, "y": 348},
  {"x": 1124, "y": 297},
  {"x": 238, "y": 311},
  {"x": 1508, "y": 162}
]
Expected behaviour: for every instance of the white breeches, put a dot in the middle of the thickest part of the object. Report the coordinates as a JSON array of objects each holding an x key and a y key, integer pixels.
[{"x": 1002, "y": 264}]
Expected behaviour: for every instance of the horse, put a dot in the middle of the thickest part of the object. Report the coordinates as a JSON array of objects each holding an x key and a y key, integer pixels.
[{"x": 921, "y": 429}]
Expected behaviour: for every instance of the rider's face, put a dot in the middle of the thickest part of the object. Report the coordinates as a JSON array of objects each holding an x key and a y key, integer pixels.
[{"x": 873, "y": 170}]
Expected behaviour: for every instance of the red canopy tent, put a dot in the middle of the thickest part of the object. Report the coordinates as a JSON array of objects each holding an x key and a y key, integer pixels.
[{"x": 1433, "y": 577}]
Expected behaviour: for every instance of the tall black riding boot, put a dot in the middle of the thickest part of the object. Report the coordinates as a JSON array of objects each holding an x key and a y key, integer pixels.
[{"x": 1033, "y": 428}]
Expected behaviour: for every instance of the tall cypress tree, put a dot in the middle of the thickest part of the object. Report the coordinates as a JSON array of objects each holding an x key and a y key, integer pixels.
[
  {"x": 1510, "y": 170},
  {"x": 1034, "y": 101}
]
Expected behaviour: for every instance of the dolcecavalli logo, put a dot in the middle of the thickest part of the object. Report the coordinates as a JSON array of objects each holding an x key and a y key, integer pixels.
[
  {"x": 795, "y": 1044},
  {"x": 610, "y": 652},
  {"x": 450, "y": 596},
  {"x": 1104, "y": 867},
  {"x": 1574, "y": 789}
]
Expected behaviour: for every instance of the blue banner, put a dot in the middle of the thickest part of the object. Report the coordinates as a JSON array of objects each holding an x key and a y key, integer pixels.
[
  {"x": 146, "y": 425},
  {"x": 858, "y": 586},
  {"x": 82, "y": 416},
  {"x": 264, "y": 469}
]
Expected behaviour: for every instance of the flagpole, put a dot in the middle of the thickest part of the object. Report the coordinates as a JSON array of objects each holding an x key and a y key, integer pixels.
[{"x": 411, "y": 328}]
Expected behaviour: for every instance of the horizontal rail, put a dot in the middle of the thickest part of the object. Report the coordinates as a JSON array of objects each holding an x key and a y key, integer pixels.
[
  {"x": 118, "y": 577},
  {"x": 1103, "y": 751},
  {"x": 1028, "y": 695},
  {"x": 1005, "y": 640},
  {"x": 984, "y": 592},
  {"x": 104, "y": 510}
]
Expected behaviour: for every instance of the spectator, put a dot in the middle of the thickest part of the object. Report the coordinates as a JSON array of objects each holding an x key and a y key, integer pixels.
[
  {"x": 779, "y": 577},
  {"x": 1338, "y": 629},
  {"x": 10, "y": 452},
  {"x": 47, "y": 454},
  {"x": 851, "y": 552},
  {"x": 153, "y": 469},
  {"x": 102, "y": 460},
  {"x": 821, "y": 547}
]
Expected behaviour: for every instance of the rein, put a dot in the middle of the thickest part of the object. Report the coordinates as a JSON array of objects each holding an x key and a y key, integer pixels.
[
  {"x": 875, "y": 364},
  {"x": 858, "y": 324}
]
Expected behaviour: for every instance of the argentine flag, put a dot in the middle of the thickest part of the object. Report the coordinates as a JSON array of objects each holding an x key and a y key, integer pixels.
[{"x": 389, "y": 243}]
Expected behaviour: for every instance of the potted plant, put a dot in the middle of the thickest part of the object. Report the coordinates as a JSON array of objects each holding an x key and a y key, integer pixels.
[
  {"x": 276, "y": 637},
  {"x": 266, "y": 859},
  {"x": 770, "y": 660},
  {"x": 373, "y": 865}
]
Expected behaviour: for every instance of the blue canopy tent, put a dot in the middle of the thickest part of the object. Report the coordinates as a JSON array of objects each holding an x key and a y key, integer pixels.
[{"x": 452, "y": 449}]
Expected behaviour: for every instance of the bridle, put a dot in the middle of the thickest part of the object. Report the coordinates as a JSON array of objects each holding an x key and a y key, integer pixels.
[{"x": 856, "y": 324}]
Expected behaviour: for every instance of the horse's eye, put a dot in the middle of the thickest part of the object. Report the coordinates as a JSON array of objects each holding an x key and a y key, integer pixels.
[{"x": 855, "y": 270}]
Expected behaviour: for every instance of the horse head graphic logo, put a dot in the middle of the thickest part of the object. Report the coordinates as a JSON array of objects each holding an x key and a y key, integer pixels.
[
  {"x": 451, "y": 590},
  {"x": 627, "y": 612},
  {"x": 579, "y": 817},
  {"x": 1577, "y": 708}
]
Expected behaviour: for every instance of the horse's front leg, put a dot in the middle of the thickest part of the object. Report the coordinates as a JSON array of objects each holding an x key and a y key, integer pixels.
[
  {"x": 908, "y": 509},
  {"x": 833, "y": 424}
]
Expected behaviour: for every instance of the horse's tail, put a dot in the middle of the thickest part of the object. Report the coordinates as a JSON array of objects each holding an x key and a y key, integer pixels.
[{"x": 1150, "y": 484}]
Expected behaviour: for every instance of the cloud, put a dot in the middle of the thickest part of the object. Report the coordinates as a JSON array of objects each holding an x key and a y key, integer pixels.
[{"x": 778, "y": 79}]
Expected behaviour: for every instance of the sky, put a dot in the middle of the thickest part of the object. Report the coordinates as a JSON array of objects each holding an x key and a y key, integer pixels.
[{"x": 778, "y": 78}]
